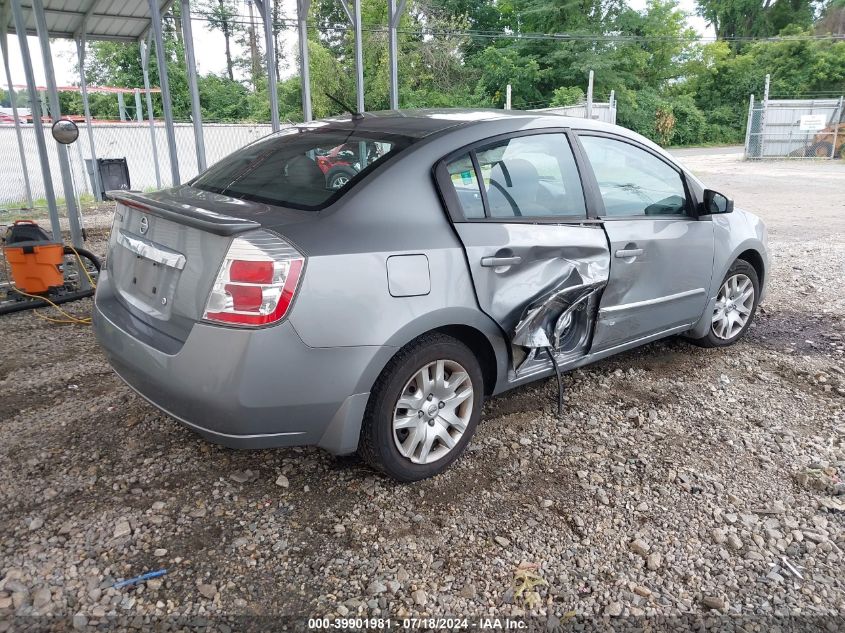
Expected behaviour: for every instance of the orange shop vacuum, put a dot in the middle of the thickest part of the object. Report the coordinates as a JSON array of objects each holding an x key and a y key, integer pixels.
[{"x": 41, "y": 270}]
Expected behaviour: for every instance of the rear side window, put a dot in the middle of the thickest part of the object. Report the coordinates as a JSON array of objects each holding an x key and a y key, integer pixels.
[
  {"x": 533, "y": 176},
  {"x": 300, "y": 168},
  {"x": 465, "y": 182}
]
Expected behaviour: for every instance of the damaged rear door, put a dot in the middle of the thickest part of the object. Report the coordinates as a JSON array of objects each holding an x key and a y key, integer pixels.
[{"x": 538, "y": 263}]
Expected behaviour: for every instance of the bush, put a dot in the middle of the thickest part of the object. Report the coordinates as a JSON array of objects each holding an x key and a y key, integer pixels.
[
  {"x": 567, "y": 95},
  {"x": 690, "y": 123}
]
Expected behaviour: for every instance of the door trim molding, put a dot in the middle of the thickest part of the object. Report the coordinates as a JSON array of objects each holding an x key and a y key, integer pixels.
[{"x": 651, "y": 302}]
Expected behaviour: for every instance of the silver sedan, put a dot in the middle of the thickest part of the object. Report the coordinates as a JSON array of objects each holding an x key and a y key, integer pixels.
[{"x": 265, "y": 303}]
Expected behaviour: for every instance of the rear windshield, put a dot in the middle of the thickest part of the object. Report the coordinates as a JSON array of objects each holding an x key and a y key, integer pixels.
[{"x": 301, "y": 168}]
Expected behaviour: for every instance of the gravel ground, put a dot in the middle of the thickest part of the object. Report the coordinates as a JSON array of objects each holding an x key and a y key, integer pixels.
[{"x": 678, "y": 481}]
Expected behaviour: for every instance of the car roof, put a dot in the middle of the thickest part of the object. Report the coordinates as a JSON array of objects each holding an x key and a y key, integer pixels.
[{"x": 419, "y": 123}]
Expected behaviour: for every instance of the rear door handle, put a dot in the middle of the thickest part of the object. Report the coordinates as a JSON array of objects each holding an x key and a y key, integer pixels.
[
  {"x": 624, "y": 253},
  {"x": 493, "y": 262}
]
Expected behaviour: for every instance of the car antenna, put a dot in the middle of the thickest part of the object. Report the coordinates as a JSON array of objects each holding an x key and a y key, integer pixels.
[{"x": 355, "y": 115}]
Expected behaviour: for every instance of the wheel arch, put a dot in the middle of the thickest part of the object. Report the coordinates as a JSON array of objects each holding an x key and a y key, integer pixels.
[
  {"x": 480, "y": 346},
  {"x": 753, "y": 257},
  {"x": 473, "y": 328},
  {"x": 749, "y": 251}
]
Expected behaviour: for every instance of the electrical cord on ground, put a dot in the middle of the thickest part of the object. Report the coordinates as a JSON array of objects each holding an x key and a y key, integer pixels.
[
  {"x": 559, "y": 381},
  {"x": 70, "y": 318}
]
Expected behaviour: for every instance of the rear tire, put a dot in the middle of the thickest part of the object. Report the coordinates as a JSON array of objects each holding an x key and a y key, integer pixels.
[
  {"x": 439, "y": 380},
  {"x": 729, "y": 320}
]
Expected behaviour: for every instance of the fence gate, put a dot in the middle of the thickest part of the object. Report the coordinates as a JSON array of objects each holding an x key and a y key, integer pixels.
[{"x": 795, "y": 128}]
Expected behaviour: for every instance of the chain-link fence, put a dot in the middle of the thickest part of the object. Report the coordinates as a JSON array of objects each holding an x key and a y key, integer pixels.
[
  {"x": 795, "y": 128},
  {"x": 131, "y": 141}
]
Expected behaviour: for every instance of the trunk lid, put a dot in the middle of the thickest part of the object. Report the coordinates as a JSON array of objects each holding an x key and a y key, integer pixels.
[{"x": 166, "y": 248}]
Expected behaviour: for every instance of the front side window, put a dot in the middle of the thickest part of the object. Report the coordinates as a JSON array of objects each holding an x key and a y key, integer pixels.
[
  {"x": 303, "y": 168},
  {"x": 632, "y": 181}
]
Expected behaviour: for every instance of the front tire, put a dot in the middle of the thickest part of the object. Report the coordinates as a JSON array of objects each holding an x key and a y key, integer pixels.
[
  {"x": 736, "y": 305},
  {"x": 423, "y": 409}
]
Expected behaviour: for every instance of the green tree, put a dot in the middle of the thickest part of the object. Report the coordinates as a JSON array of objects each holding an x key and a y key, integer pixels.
[
  {"x": 755, "y": 18},
  {"x": 222, "y": 15}
]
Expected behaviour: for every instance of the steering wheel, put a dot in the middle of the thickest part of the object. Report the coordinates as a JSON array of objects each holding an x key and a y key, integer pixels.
[{"x": 508, "y": 197}]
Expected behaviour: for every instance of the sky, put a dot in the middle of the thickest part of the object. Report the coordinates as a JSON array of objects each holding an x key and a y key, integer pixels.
[{"x": 210, "y": 51}]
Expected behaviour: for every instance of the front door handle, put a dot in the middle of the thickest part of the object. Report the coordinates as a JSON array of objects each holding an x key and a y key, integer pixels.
[
  {"x": 493, "y": 262},
  {"x": 624, "y": 253}
]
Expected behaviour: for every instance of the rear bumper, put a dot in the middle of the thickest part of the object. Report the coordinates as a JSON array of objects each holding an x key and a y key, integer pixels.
[{"x": 248, "y": 389}]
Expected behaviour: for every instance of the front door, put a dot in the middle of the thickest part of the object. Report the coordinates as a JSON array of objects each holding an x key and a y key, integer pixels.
[
  {"x": 661, "y": 254},
  {"x": 522, "y": 222}
]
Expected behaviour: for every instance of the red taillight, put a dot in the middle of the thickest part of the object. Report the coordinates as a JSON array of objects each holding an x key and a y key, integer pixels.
[
  {"x": 257, "y": 281},
  {"x": 252, "y": 272},
  {"x": 245, "y": 298}
]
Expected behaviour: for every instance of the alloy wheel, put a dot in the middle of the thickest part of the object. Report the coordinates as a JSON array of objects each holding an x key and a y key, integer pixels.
[
  {"x": 338, "y": 182},
  {"x": 433, "y": 411},
  {"x": 734, "y": 304}
]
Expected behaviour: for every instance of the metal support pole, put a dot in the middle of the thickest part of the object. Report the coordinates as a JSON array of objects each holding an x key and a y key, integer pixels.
[
  {"x": 394, "y": 13},
  {"x": 83, "y": 84},
  {"x": 85, "y": 184},
  {"x": 155, "y": 25},
  {"x": 74, "y": 221},
  {"x": 761, "y": 138},
  {"x": 4, "y": 45},
  {"x": 302, "y": 9},
  {"x": 508, "y": 97},
  {"x": 190, "y": 60},
  {"x": 359, "y": 57},
  {"x": 121, "y": 106},
  {"x": 145, "y": 67},
  {"x": 612, "y": 106},
  {"x": 266, "y": 12},
  {"x": 139, "y": 109},
  {"x": 836, "y": 120},
  {"x": 354, "y": 17},
  {"x": 748, "y": 127},
  {"x": 590, "y": 96}
]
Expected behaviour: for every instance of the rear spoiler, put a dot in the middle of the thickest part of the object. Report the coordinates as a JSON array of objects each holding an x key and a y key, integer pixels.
[{"x": 189, "y": 215}]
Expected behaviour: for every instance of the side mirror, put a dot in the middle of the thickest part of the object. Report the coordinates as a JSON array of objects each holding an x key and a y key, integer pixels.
[{"x": 715, "y": 202}]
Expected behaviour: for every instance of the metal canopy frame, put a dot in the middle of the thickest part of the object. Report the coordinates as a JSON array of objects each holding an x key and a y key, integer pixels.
[
  {"x": 394, "y": 14},
  {"x": 123, "y": 22},
  {"x": 141, "y": 23},
  {"x": 191, "y": 62},
  {"x": 302, "y": 9},
  {"x": 80, "y": 21},
  {"x": 266, "y": 13}
]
